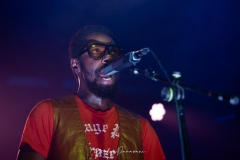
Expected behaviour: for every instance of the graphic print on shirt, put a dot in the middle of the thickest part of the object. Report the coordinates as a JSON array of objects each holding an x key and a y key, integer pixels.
[
  {"x": 115, "y": 132},
  {"x": 95, "y": 128},
  {"x": 112, "y": 134},
  {"x": 106, "y": 154}
]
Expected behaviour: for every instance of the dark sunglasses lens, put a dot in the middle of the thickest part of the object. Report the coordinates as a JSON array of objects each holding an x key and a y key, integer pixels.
[
  {"x": 115, "y": 51},
  {"x": 97, "y": 51}
]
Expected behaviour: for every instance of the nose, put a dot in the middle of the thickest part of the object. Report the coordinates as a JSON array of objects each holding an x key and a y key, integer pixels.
[{"x": 107, "y": 58}]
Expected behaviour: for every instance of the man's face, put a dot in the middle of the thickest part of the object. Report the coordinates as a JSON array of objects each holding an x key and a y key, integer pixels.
[{"x": 92, "y": 70}]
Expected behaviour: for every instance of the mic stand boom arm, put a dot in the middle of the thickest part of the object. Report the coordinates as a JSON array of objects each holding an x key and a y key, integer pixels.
[
  {"x": 176, "y": 91},
  {"x": 233, "y": 100}
]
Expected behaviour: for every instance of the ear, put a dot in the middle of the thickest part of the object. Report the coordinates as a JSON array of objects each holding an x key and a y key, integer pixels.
[{"x": 75, "y": 65}]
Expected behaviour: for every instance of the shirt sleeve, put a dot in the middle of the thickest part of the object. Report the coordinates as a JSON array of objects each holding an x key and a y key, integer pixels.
[
  {"x": 151, "y": 144},
  {"x": 38, "y": 128}
]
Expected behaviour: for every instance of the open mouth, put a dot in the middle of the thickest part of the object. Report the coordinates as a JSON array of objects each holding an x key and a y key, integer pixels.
[{"x": 106, "y": 78}]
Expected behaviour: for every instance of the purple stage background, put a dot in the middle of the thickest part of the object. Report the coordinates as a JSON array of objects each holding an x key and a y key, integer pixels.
[{"x": 201, "y": 39}]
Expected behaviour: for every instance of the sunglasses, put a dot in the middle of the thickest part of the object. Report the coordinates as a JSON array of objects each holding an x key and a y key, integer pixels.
[{"x": 98, "y": 50}]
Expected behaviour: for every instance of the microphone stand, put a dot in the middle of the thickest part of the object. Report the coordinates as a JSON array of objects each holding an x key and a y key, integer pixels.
[
  {"x": 176, "y": 92},
  {"x": 233, "y": 100}
]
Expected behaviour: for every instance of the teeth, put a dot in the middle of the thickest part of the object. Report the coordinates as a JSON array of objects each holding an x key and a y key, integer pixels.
[{"x": 107, "y": 78}]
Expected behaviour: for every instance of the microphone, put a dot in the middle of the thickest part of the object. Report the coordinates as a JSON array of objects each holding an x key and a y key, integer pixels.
[{"x": 129, "y": 59}]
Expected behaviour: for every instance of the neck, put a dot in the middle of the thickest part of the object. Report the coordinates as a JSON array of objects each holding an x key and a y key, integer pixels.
[{"x": 96, "y": 102}]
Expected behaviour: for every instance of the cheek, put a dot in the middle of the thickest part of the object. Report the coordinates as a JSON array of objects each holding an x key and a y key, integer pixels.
[
  {"x": 89, "y": 66},
  {"x": 88, "y": 71}
]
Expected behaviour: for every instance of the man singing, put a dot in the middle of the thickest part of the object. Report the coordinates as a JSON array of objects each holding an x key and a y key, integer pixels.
[{"x": 89, "y": 125}]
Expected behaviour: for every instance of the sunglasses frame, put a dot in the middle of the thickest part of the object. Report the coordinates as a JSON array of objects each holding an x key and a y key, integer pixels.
[{"x": 107, "y": 46}]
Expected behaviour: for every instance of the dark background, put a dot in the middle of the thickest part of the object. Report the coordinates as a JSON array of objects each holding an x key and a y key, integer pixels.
[{"x": 199, "y": 38}]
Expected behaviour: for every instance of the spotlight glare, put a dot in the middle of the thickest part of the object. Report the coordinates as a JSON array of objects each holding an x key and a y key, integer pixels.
[{"x": 157, "y": 112}]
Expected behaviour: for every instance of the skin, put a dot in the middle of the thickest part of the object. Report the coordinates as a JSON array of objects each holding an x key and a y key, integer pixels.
[
  {"x": 83, "y": 91},
  {"x": 91, "y": 65}
]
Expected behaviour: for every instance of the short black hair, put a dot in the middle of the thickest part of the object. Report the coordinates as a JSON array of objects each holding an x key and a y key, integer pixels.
[{"x": 79, "y": 39}]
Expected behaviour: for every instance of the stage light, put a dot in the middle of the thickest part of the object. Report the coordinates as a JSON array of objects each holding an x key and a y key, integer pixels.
[{"x": 157, "y": 112}]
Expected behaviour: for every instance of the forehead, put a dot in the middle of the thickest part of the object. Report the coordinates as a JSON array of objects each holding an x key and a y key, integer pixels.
[{"x": 100, "y": 37}]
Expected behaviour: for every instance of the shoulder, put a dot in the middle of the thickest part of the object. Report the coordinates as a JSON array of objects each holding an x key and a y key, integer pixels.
[
  {"x": 145, "y": 124},
  {"x": 143, "y": 120},
  {"x": 47, "y": 105},
  {"x": 123, "y": 111},
  {"x": 67, "y": 101},
  {"x": 42, "y": 107}
]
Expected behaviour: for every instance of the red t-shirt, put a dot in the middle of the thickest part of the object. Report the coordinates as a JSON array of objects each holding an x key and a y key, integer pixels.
[{"x": 101, "y": 128}]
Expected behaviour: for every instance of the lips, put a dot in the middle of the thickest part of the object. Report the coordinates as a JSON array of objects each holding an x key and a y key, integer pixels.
[{"x": 105, "y": 78}]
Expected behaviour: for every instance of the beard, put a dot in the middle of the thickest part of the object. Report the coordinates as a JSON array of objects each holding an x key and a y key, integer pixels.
[{"x": 101, "y": 90}]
